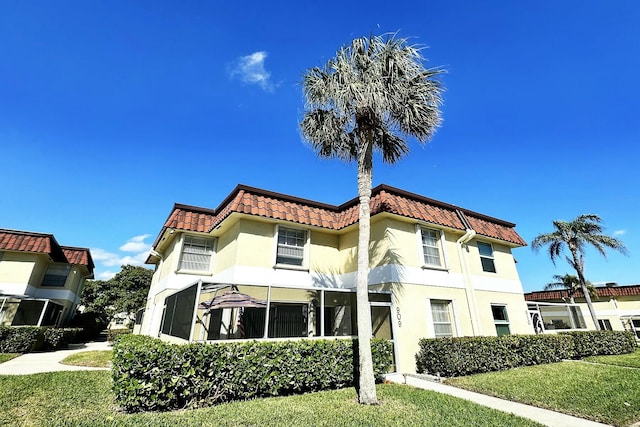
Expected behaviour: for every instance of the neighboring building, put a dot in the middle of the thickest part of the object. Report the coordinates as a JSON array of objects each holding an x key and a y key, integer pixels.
[
  {"x": 263, "y": 258},
  {"x": 40, "y": 281},
  {"x": 617, "y": 308}
]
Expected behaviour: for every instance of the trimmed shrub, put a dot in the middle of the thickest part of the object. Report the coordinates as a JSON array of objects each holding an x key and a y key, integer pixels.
[
  {"x": 452, "y": 357},
  {"x": 596, "y": 343},
  {"x": 113, "y": 334},
  {"x": 470, "y": 355},
  {"x": 21, "y": 339},
  {"x": 56, "y": 338},
  {"x": 149, "y": 374}
]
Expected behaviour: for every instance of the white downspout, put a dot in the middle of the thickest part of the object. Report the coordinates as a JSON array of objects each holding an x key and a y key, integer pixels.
[{"x": 466, "y": 277}]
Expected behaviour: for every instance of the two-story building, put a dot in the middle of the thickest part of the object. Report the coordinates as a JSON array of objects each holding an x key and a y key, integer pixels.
[
  {"x": 265, "y": 265},
  {"x": 40, "y": 281}
]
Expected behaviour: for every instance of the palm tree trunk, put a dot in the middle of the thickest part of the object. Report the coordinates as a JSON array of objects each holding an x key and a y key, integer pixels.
[
  {"x": 578, "y": 264},
  {"x": 367, "y": 387}
]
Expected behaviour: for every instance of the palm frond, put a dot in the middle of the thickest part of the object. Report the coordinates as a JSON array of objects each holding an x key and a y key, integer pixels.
[{"x": 384, "y": 76}]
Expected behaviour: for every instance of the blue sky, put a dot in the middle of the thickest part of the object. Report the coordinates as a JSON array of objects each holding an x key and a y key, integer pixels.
[{"x": 111, "y": 111}]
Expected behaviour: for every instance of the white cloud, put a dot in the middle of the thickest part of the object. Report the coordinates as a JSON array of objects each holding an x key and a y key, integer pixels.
[
  {"x": 103, "y": 257},
  {"x": 136, "y": 244},
  {"x": 138, "y": 251},
  {"x": 250, "y": 69},
  {"x": 105, "y": 275},
  {"x": 619, "y": 232}
]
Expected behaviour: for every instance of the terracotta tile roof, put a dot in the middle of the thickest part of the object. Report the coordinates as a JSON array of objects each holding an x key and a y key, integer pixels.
[
  {"x": 79, "y": 256},
  {"x": 184, "y": 217},
  {"x": 601, "y": 291},
  {"x": 267, "y": 204},
  {"x": 27, "y": 241}
]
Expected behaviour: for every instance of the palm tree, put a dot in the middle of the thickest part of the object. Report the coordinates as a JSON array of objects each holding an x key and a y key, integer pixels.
[
  {"x": 372, "y": 96},
  {"x": 570, "y": 283},
  {"x": 576, "y": 235}
]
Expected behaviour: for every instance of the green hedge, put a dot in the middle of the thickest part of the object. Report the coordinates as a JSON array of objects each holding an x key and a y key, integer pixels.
[
  {"x": 149, "y": 374},
  {"x": 57, "y": 338},
  {"x": 21, "y": 339},
  {"x": 24, "y": 339},
  {"x": 469, "y": 355},
  {"x": 596, "y": 343},
  {"x": 113, "y": 334}
]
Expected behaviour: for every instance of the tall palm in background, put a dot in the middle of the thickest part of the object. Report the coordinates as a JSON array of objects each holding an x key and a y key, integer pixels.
[
  {"x": 370, "y": 97},
  {"x": 571, "y": 284},
  {"x": 576, "y": 236}
]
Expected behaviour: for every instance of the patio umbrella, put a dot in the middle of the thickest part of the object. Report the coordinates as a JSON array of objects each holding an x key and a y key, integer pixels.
[{"x": 232, "y": 299}]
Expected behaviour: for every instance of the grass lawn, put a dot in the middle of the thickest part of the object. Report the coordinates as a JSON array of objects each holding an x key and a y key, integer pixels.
[
  {"x": 8, "y": 356},
  {"x": 631, "y": 360},
  {"x": 85, "y": 398},
  {"x": 605, "y": 393},
  {"x": 96, "y": 359}
]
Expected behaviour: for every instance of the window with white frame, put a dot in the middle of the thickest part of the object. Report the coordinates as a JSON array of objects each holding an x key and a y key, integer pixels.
[
  {"x": 486, "y": 257},
  {"x": 605, "y": 324},
  {"x": 291, "y": 245},
  {"x": 197, "y": 253},
  {"x": 432, "y": 247},
  {"x": 442, "y": 316},
  {"x": 500, "y": 319}
]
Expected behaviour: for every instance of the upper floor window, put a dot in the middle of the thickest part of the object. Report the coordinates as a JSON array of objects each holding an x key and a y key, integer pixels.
[
  {"x": 486, "y": 257},
  {"x": 291, "y": 244},
  {"x": 56, "y": 275},
  {"x": 432, "y": 247},
  {"x": 197, "y": 253}
]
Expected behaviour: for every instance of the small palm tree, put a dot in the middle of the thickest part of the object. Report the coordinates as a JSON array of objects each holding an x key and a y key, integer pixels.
[
  {"x": 370, "y": 97},
  {"x": 585, "y": 230},
  {"x": 571, "y": 283}
]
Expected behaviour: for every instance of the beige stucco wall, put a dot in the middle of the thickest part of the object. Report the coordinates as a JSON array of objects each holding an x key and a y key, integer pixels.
[
  {"x": 324, "y": 255},
  {"x": 227, "y": 249},
  {"x": 256, "y": 243},
  {"x": 18, "y": 267}
]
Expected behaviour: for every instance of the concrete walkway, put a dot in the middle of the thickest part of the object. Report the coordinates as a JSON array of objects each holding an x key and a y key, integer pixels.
[
  {"x": 33, "y": 363},
  {"x": 542, "y": 416}
]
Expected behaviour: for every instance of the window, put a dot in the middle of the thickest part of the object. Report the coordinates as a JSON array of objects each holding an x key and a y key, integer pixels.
[
  {"x": 442, "y": 318},
  {"x": 288, "y": 320},
  {"x": 196, "y": 253},
  {"x": 56, "y": 275},
  {"x": 291, "y": 245},
  {"x": 635, "y": 325},
  {"x": 500, "y": 319},
  {"x": 486, "y": 257},
  {"x": 431, "y": 247},
  {"x": 605, "y": 324},
  {"x": 178, "y": 313}
]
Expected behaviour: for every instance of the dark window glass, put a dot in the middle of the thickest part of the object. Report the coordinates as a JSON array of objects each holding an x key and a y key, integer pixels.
[
  {"x": 486, "y": 257},
  {"x": 178, "y": 313}
]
